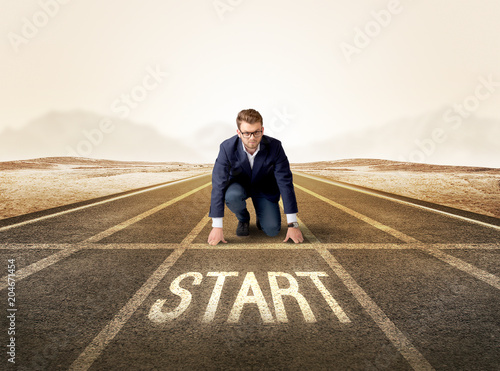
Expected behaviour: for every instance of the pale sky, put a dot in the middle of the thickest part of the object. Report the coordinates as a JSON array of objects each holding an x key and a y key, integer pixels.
[{"x": 214, "y": 58}]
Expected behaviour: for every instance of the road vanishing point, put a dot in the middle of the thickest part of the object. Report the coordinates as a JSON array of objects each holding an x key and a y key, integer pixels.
[{"x": 129, "y": 282}]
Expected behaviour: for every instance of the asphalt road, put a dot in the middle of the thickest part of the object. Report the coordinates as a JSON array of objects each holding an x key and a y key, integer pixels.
[{"x": 130, "y": 283}]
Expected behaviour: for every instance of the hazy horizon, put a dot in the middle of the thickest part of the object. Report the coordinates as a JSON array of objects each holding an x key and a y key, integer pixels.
[{"x": 320, "y": 71}]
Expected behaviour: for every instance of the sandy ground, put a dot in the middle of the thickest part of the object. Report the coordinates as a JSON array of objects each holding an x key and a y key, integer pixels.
[
  {"x": 33, "y": 185},
  {"x": 28, "y": 186},
  {"x": 467, "y": 188}
]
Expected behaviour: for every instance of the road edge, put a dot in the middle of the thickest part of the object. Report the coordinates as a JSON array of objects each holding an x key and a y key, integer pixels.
[{"x": 459, "y": 213}]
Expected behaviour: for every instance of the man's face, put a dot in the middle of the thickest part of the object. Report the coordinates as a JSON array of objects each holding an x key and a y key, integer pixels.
[{"x": 253, "y": 141}]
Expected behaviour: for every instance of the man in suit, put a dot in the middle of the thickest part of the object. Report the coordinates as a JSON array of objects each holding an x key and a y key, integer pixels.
[{"x": 251, "y": 164}]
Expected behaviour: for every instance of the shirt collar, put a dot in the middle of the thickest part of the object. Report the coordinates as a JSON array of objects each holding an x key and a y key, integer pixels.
[{"x": 244, "y": 149}]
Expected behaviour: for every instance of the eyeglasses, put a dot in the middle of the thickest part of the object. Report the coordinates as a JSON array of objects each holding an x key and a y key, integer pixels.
[{"x": 256, "y": 134}]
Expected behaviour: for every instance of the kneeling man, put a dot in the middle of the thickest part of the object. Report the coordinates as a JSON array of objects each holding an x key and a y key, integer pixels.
[{"x": 251, "y": 164}]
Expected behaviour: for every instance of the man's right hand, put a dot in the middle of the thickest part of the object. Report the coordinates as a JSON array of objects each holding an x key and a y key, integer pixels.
[{"x": 215, "y": 236}]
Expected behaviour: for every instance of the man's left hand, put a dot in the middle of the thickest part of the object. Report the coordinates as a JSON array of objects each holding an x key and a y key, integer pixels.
[{"x": 295, "y": 234}]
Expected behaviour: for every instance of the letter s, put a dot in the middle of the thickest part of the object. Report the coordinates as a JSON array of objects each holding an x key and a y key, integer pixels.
[{"x": 157, "y": 316}]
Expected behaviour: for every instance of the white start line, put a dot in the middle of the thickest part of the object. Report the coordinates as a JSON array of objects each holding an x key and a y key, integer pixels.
[{"x": 250, "y": 283}]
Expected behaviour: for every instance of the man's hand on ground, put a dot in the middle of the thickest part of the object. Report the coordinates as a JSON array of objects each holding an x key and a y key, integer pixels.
[
  {"x": 215, "y": 236},
  {"x": 295, "y": 234}
]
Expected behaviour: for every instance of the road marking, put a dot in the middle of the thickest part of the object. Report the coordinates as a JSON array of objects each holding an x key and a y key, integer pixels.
[
  {"x": 95, "y": 348},
  {"x": 293, "y": 291},
  {"x": 156, "y": 315},
  {"x": 213, "y": 303},
  {"x": 67, "y": 251},
  {"x": 416, "y": 360},
  {"x": 465, "y": 246},
  {"x": 337, "y": 310},
  {"x": 135, "y": 219},
  {"x": 107, "y": 334},
  {"x": 399, "y": 235},
  {"x": 354, "y": 188},
  {"x": 196, "y": 231},
  {"x": 96, "y": 203},
  {"x": 35, "y": 246},
  {"x": 480, "y": 274},
  {"x": 247, "y": 246},
  {"x": 478, "y": 246},
  {"x": 250, "y": 282},
  {"x": 278, "y": 245},
  {"x": 41, "y": 264},
  {"x": 397, "y": 338}
]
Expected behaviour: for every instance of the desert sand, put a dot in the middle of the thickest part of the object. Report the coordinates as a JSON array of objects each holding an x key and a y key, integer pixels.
[
  {"x": 32, "y": 185},
  {"x": 468, "y": 188}
]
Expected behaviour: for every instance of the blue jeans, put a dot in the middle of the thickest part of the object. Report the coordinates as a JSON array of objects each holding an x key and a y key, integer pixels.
[{"x": 268, "y": 213}]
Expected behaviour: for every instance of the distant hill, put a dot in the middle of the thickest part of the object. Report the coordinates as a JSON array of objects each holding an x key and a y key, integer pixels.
[
  {"x": 475, "y": 142},
  {"x": 78, "y": 134},
  {"x": 52, "y": 163},
  {"x": 369, "y": 164}
]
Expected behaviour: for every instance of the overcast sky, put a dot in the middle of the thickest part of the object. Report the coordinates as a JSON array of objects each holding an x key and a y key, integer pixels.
[{"x": 314, "y": 69}]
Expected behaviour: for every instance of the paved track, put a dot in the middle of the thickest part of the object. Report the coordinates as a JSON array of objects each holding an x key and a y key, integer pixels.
[{"x": 130, "y": 283}]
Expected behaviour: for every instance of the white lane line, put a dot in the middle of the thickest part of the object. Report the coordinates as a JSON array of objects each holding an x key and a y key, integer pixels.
[
  {"x": 96, "y": 203},
  {"x": 41, "y": 264},
  {"x": 35, "y": 246},
  {"x": 465, "y": 246},
  {"x": 396, "y": 337},
  {"x": 196, "y": 231},
  {"x": 399, "y": 235},
  {"x": 334, "y": 306},
  {"x": 480, "y": 274},
  {"x": 52, "y": 259},
  {"x": 107, "y": 334},
  {"x": 251, "y": 246},
  {"x": 354, "y": 188},
  {"x": 139, "y": 217},
  {"x": 416, "y": 360}
]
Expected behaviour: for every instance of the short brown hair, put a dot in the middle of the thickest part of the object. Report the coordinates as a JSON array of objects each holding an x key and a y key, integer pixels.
[{"x": 249, "y": 115}]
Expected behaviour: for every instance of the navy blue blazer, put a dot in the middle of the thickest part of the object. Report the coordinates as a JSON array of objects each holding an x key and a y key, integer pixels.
[{"x": 270, "y": 176}]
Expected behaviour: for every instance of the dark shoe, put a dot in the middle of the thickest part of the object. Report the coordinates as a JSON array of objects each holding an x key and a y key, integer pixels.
[
  {"x": 243, "y": 229},
  {"x": 259, "y": 227}
]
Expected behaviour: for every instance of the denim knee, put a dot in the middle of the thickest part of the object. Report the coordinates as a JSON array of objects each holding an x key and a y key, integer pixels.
[
  {"x": 235, "y": 194},
  {"x": 272, "y": 230}
]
